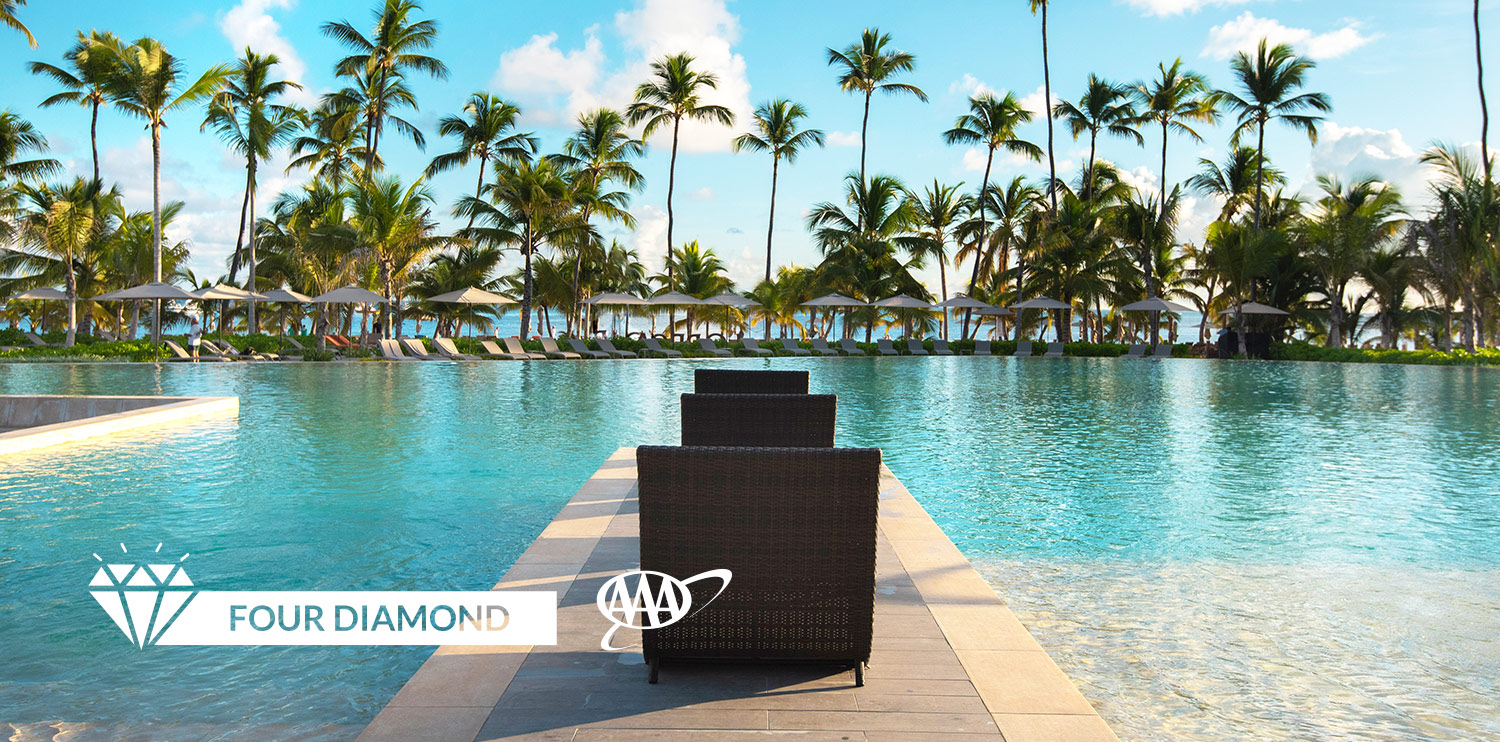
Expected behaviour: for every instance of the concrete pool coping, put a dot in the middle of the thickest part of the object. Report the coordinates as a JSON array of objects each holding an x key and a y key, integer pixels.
[
  {"x": 950, "y": 660},
  {"x": 29, "y": 421}
]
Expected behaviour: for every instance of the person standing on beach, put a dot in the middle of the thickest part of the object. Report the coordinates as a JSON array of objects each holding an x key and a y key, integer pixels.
[{"x": 195, "y": 338}]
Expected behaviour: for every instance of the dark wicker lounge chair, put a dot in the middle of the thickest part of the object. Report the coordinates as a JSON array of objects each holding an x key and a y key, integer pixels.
[
  {"x": 886, "y": 349},
  {"x": 709, "y": 346},
  {"x": 583, "y": 349},
  {"x": 730, "y": 381},
  {"x": 652, "y": 346},
  {"x": 795, "y": 527},
  {"x": 914, "y": 347},
  {"x": 759, "y": 420},
  {"x": 789, "y": 345},
  {"x": 981, "y": 348},
  {"x": 940, "y": 347}
]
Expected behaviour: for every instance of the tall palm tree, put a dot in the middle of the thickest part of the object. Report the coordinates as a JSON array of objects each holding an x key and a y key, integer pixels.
[
  {"x": 60, "y": 222},
  {"x": 393, "y": 226},
  {"x": 8, "y": 18},
  {"x": 1042, "y": 5},
  {"x": 147, "y": 83},
  {"x": 1270, "y": 83},
  {"x": 389, "y": 52},
  {"x": 247, "y": 119},
  {"x": 1391, "y": 273},
  {"x": 1235, "y": 180},
  {"x": 868, "y": 67},
  {"x": 1348, "y": 224},
  {"x": 18, "y": 138},
  {"x": 331, "y": 147},
  {"x": 1105, "y": 107},
  {"x": 484, "y": 132},
  {"x": 1484, "y": 106},
  {"x": 524, "y": 206},
  {"x": 599, "y": 154},
  {"x": 861, "y": 243},
  {"x": 1150, "y": 229},
  {"x": 991, "y": 122},
  {"x": 669, "y": 97},
  {"x": 777, "y": 133},
  {"x": 936, "y": 213},
  {"x": 83, "y": 81},
  {"x": 697, "y": 272},
  {"x": 1175, "y": 99}
]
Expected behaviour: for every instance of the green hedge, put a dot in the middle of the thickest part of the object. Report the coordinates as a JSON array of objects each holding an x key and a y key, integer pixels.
[
  {"x": 95, "y": 350},
  {"x": 1459, "y": 357}
]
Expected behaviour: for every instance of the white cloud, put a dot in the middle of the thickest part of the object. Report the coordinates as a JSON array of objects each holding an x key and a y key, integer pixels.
[
  {"x": 974, "y": 160},
  {"x": 1177, "y": 7},
  {"x": 1033, "y": 102},
  {"x": 843, "y": 139},
  {"x": 250, "y": 24},
  {"x": 649, "y": 240},
  {"x": 556, "y": 85},
  {"x": 1141, "y": 178},
  {"x": 1243, "y": 34},
  {"x": 702, "y": 194},
  {"x": 969, "y": 86},
  {"x": 1353, "y": 153}
]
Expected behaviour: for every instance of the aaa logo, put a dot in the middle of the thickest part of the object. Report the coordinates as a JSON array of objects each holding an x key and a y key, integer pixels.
[{"x": 651, "y": 600}]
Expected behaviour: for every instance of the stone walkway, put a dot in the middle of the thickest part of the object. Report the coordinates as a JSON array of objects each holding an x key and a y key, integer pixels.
[{"x": 950, "y": 661}]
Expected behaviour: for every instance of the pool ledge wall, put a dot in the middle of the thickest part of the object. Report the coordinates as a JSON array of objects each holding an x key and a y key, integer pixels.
[{"x": 34, "y": 421}]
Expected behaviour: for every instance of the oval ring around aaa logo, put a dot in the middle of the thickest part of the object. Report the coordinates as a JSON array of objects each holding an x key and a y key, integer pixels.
[{"x": 643, "y": 599}]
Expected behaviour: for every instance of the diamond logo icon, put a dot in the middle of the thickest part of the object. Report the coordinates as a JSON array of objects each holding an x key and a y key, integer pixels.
[{"x": 142, "y": 598}]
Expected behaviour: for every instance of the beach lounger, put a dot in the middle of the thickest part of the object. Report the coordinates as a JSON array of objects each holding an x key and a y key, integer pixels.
[
  {"x": 914, "y": 347},
  {"x": 752, "y": 348},
  {"x": 106, "y": 335},
  {"x": 582, "y": 348},
  {"x": 789, "y": 345},
  {"x": 299, "y": 347},
  {"x": 178, "y": 354},
  {"x": 886, "y": 348},
  {"x": 799, "y": 539},
  {"x": 390, "y": 350},
  {"x": 1024, "y": 349},
  {"x": 759, "y": 420},
  {"x": 513, "y": 346},
  {"x": 940, "y": 347},
  {"x": 447, "y": 347},
  {"x": 738, "y": 381},
  {"x": 981, "y": 348},
  {"x": 1161, "y": 351},
  {"x": 608, "y": 347},
  {"x": 820, "y": 348},
  {"x": 1137, "y": 350},
  {"x": 245, "y": 352},
  {"x": 652, "y": 346},
  {"x": 711, "y": 347},
  {"x": 549, "y": 346},
  {"x": 848, "y": 347},
  {"x": 1054, "y": 350},
  {"x": 338, "y": 341},
  {"x": 491, "y": 350},
  {"x": 418, "y": 349},
  {"x": 36, "y": 340}
]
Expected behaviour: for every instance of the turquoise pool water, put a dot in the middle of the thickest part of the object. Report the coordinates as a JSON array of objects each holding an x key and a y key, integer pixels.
[{"x": 1212, "y": 550}]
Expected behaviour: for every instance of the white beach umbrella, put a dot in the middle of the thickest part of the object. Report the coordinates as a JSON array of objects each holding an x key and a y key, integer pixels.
[
  {"x": 902, "y": 301},
  {"x": 674, "y": 299},
  {"x": 349, "y": 295},
  {"x": 227, "y": 293},
  {"x": 1040, "y": 302},
  {"x": 471, "y": 296},
  {"x": 287, "y": 296},
  {"x": 731, "y": 299},
  {"x": 1253, "y": 307},
  {"x": 1155, "y": 304},
  {"x": 616, "y": 300},
  {"x": 962, "y": 302},
  {"x": 153, "y": 290},
  {"x": 834, "y": 300},
  {"x": 40, "y": 294}
]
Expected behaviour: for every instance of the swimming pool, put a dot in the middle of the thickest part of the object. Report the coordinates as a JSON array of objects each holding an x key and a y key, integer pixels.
[{"x": 1212, "y": 550}]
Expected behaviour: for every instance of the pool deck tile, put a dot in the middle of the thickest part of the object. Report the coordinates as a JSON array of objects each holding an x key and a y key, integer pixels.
[{"x": 950, "y": 660}]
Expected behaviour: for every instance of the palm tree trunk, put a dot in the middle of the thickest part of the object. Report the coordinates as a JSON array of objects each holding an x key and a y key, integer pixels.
[
  {"x": 156, "y": 226},
  {"x": 251, "y": 326},
  {"x": 575, "y": 318},
  {"x": 1088, "y": 187},
  {"x": 864, "y": 128},
  {"x": 1260, "y": 171},
  {"x": 1484, "y": 108},
  {"x": 671, "y": 185},
  {"x": 943, "y": 283},
  {"x": 1047, "y": 110},
  {"x": 1468, "y": 316},
  {"x": 1336, "y": 319},
  {"x": 239, "y": 237},
  {"x": 984, "y": 185},
  {"x": 771, "y": 222},
  {"x": 372, "y": 126},
  {"x": 1164, "y": 133},
  {"x": 94, "y": 133},
  {"x": 479, "y": 189},
  {"x": 528, "y": 246},
  {"x": 72, "y": 287}
]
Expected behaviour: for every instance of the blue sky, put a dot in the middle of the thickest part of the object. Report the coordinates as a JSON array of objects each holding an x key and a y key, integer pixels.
[{"x": 1400, "y": 74}]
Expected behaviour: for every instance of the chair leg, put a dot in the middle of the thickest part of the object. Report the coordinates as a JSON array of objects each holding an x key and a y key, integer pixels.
[
  {"x": 655, "y": 665},
  {"x": 859, "y": 675}
]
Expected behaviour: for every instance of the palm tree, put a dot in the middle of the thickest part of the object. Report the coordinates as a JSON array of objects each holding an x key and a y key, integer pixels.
[
  {"x": 670, "y": 96},
  {"x": 1175, "y": 99},
  {"x": 776, "y": 123},
  {"x": 1047, "y": 101},
  {"x": 251, "y": 124},
  {"x": 146, "y": 83},
  {"x": 330, "y": 149},
  {"x": 697, "y": 272},
  {"x": 1150, "y": 229},
  {"x": 393, "y": 226},
  {"x": 1104, "y": 107},
  {"x": 991, "y": 122},
  {"x": 1076, "y": 257},
  {"x": 861, "y": 243},
  {"x": 1391, "y": 272},
  {"x": 1484, "y": 106},
  {"x": 525, "y": 206},
  {"x": 599, "y": 153},
  {"x": 61, "y": 222},
  {"x": 8, "y": 18},
  {"x": 84, "y": 80},
  {"x": 484, "y": 133},
  {"x": 1270, "y": 83},
  {"x": 1235, "y": 180},
  {"x": 1348, "y": 224},
  {"x": 18, "y": 138},
  {"x": 936, "y": 213},
  {"x": 385, "y": 57},
  {"x": 867, "y": 67}
]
